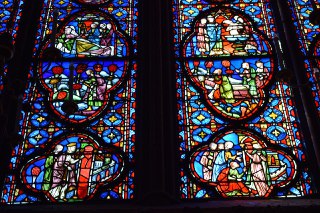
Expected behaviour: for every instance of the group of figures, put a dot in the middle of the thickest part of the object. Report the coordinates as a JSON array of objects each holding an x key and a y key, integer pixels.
[
  {"x": 86, "y": 83},
  {"x": 73, "y": 170},
  {"x": 231, "y": 64},
  {"x": 222, "y": 34},
  {"x": 89, "y": 85},
  {"x": 90, "y": 35},
  {"x": 71, "y": 164},
  {"x": 233, "y": 87},
  {"x": 238, "y": 164},
  {"x": 76, "y": 166}
]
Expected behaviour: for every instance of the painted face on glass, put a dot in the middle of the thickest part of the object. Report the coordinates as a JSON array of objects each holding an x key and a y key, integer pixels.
[
  {"x": 203, "y": 21},
  {"x": 71, "y": 149},
  {"x": 234, "y": 165},
  {"x": 228, "y": 145},
  {"x": 97, "y": 67},
  {"x": 259, "y": 64},
  {"x": 58, "y": 148},
  {"x": 245, "y": 65},
  {"x": 213, "y": 146}
]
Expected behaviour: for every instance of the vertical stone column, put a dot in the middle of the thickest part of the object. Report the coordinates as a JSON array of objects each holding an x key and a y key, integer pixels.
[
  {"x": 295, "y": 61},
  {"x": 16, "y": 79},
  {"x": 157, "y": 130},
  {"x": 6, "y": 53}
]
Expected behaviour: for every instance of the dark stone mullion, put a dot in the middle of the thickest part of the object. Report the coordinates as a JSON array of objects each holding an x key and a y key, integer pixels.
[
  {"x": 157, "y": 130},
  {"x": 18, "y": 69},
  {"x": 307, "y": 112}
]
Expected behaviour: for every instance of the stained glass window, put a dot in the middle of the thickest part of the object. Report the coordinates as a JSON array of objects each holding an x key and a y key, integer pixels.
[
  {"x": 239, "y": 130},
  {"x": 240, "y": 135},
  {"x": 10, "y": 13},
  {"x": 79, "y": 127},
  {"x": 307, "y": 32}
]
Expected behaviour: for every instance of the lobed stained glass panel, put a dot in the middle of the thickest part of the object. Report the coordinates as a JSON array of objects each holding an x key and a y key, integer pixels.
[
  {"x": 239, "y": 129},
  {"x": 78, "y": 122}
]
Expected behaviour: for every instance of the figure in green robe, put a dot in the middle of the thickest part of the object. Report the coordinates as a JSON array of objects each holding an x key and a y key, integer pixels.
[
  {"x": 47, "y": 178},
  {"x": 66, "y": 42},
  {"x": 249, "y": 78},
  {"x": 96, "y": 88},
  {"x": 225, "y": 87}
]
